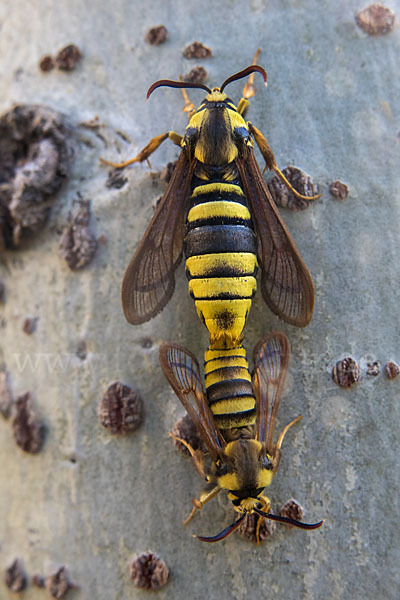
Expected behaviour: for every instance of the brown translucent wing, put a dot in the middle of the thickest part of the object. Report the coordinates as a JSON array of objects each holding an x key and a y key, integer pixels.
[
  {"x": 286, "y": 283},
  {"x": 271, "y": 359},
  {"x": 149, "y": 280},
  {"x": 182, "y": 371}
]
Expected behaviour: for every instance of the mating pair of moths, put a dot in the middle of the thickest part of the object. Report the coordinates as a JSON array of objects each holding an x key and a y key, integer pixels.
[{"x": 218, "y": 210}]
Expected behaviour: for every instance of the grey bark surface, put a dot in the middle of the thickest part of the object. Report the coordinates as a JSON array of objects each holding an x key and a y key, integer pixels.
[{"x": 92, "y": 501}]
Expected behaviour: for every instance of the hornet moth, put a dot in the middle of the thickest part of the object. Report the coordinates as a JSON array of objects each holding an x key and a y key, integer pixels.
[
  {"x": 243, "y": 459},
  {"x": 218, "y": 209}
]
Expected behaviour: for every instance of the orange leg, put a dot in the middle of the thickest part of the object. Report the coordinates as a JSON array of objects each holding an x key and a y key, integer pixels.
[{"x": 147, "y": 150}]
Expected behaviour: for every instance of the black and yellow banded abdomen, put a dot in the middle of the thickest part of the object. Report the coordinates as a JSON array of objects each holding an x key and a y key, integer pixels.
[
  {"x": 229, "y": 389},
  {"x": 221, "y": 261}
]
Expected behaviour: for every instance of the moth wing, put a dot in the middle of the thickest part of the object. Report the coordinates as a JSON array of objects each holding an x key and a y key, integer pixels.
[
  {"x": 182, "y": 371},
  {"x": 149, "y": 280},
  {"x": 286, "y": 283},
  {"x": 271, "y": 360}
]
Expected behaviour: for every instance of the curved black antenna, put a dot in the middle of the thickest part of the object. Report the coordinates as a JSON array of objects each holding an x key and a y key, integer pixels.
[
  {"x": 244, "y": 73},
  {"x": 175, "y": 84},
  {"x": 289, "y": 521},
  {"x": 224, "y": 533}
]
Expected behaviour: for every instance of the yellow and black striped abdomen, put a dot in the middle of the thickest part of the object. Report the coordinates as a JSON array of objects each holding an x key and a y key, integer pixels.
[
  {"x": 229, "y": 389},
  {"x": 221, "y": 261}
]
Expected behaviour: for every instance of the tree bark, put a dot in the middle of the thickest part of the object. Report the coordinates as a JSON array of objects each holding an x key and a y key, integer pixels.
[{"x": 93, "y": 501}]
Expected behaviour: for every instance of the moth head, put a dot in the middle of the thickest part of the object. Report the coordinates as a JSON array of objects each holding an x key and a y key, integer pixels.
[{"x": 244, "y": 471}]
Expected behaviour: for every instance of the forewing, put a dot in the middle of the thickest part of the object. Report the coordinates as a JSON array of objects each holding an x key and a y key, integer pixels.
[
  {"x": 271, "y": 360},
  {"x": 149, "y": 280},
  {"x": 183, "y": 374},
  {"x": 286, "y": 283}
]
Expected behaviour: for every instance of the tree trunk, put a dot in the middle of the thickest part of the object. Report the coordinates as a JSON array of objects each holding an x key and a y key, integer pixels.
[{"x": 91, "y": 500}]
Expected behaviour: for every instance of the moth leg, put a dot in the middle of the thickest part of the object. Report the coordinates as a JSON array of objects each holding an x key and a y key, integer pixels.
[
  {"x": 199, "y": 503},
  {"x": 248, "y": 89},
  {"x": 259, "y": 521},
  {"x": 266, "y": 504},
  {"x": 189, "y": 107},
  {"x": 243, "y": 106},
  {"x": 284, "y": 432},
  {"x": 144, "y": 154},
  {"x": 197, "y": 456},
  {"x": 270, "y": 162}
]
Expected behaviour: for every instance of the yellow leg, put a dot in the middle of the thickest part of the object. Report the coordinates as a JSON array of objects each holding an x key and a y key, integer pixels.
[
  {"x": 243, "y": 106},
  {"x": 280, "y": 440},
  {"x": 266, "y": 505},
  {"x": 204, "y": 498},
  {"x": 249, "y": 89},
  {"x": 259, "y": 522},
  {"x": 265, "y": 502},
  {"x": 270, "y": 162},
  {"x": 147, "y": 150},
  {"x": 196, "y": 455},
  {"x": 189, "y": 106},
  {"x": 266, "y": 508},
  {"x": 268, "y": 155}
]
